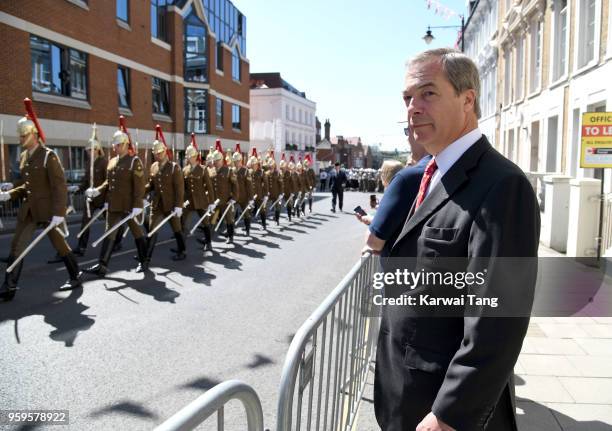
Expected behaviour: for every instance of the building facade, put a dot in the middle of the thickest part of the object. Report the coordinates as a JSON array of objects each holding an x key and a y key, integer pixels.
[
  {"x": 554, "y": 64},
  {"x": 282, "y": 118},
  {"x": 178, "y": 63}
]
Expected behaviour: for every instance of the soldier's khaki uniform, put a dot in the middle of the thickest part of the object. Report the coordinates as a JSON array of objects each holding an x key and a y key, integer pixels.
[
  {"x": 42, "y": 193},
  {"x": 260, "y": 188},
  {"x": 100, "y": 166},
  {"x": 245, "y": 194},
  {"x": 298, "y": 185},
  {"x": 226, "y": 188},
  {"x": 167, "y": 185},
  {"x": 289, "y": 187},
  {"x": 200, "y": 193},
  {"x": 275, "y": 187},
  {"x": 123, "y": 190}
]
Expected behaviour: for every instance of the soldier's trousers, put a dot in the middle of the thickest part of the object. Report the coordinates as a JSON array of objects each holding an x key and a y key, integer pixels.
[
  {"x": 187, "y": 216},
  {"x": 247, "y": 213},
  {"x": 24, "y": 232},
  {"x": 84, "y": 239},
  {"x": 114, "y": 217},
  {"x": 157, "y": 215},
  {"x": 263, "y": 210},
  {"x": 229, "y": 217}
]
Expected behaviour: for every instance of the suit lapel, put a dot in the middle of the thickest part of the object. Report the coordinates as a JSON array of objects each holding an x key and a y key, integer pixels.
[{"x": 444, "y": 190}]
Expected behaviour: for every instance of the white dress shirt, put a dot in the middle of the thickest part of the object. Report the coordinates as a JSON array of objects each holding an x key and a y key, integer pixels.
[{"x": 446, "y": 158}]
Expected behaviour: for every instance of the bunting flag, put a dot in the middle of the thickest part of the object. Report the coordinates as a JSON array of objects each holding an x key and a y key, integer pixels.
[{"x": 442, "y": 10}]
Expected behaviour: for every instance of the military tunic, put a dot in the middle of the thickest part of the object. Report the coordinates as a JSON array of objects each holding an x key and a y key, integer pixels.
[
  {"x": 245, "y": 189},
  {"x": 275, "y": 186},
  {"x": 260, "y": 188},
  {"x": 199, "y": 192},
  {"x": 100, "y": 166},
  {"x": 289, "y": 188},
  {"x": 225, "y": 186},
  {"x": 43, "y": 195},
  {"x": 168, "y": 187},
  {"x": 123, "y": 190}
]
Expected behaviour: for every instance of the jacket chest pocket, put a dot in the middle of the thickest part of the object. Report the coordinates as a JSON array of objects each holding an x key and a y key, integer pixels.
[{"x": 438, "y": 242}]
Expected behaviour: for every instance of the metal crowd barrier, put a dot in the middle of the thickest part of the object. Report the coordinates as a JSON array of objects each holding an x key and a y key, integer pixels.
[
  {"x": 325, "y": 371},
  {"x": 212, "y": 402},
  {"x": 10, "y": 209}
]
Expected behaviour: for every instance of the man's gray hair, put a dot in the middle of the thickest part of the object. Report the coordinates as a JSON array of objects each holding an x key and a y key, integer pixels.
[{"x": 459, "y": 69}]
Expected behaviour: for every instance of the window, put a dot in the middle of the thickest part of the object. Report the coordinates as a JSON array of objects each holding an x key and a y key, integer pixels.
[
  {"x": 123, "y": 10},
  {"x": 286, "y": 112},
  {"x": 219, "y": 113},
  {"x": 161, "y": 97},
  {"x": 219, "y": 58},
  {"x": 236, "y": 117},
  {"x": 158, "y": 19},
  {"x": 235, "y": 65},
  {"x": 507, "y": 75},
  {"x": 196, "y": 56},
  {"x": 586, "y": 32},
  {"x": 559, "y": 40},
  {"x": 520, "y": 70},
  {"x": 123, "y": 86},
  {"x": 536, "y": 55},
  {"x": 196, "y": 111},
  {"x": 293, "y": 116},
  {"x": 226, "y": 22},
  {"x": 57, "y": 69}
]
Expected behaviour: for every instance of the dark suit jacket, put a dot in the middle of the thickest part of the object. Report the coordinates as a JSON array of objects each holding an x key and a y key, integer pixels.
[
  {"x": 458, "y": 367},
  {"x": 338, "y": 180}
]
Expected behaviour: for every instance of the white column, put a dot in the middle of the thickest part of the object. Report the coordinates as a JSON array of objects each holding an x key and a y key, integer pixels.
[
  {"x": 583, "y": 226},
  {"x": 556, "y": 212}
]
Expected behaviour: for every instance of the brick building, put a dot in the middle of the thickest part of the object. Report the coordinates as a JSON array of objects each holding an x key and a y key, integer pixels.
[{"x": 179, "y": 63}]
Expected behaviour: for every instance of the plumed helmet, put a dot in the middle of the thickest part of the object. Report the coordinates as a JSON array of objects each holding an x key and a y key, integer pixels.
[
  {"x": 29, "y": 123},
  {"x": 120, "y": 138},
  {"x": 158, "y": 147},
  {"x": 253, "y": 161},
  {"x": 192, "y": 149},
  {"x": 237, "y": 156},
  {"x": 218, "y": 153}
]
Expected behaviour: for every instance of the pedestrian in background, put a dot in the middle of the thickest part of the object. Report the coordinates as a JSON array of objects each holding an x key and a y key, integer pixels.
[
  {"x": 337, "y": 183},
  {"x": 323, "y": 179}
]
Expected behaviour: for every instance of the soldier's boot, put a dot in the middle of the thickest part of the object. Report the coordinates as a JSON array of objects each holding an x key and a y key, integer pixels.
[
  {"x": 289, "y": 211},
  {"x": 141, "y": 253},
  {"x": 180, "y": 243},
  {"x": 263, "y": 220},
  {"x": 117, "y": 245},
  {"x": 277, "y": 216},
  {"x": 9, "y": 287},
  {"x": 310, "y": 205},
  {"x": 73, "y": 271},
  {"x": 304, "y": 208},
  {"x": 150, "y": 246},
  {"x": 207, "y": 238},
  {"x": 101, "y": 268},
  {"x": 297, "y": 210},
  {"x": 247, "y": 226},
  {"x": 230, "y": 234},
  {"x": 82, "y": 244}
]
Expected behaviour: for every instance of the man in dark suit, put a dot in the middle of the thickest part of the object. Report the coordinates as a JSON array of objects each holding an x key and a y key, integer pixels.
[
  {"x": 338, "y": 181},
  {"x": 455, "y": 373}
]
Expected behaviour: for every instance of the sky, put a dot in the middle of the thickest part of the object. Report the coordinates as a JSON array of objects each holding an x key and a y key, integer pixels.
[{"x": 348, "y": 56}]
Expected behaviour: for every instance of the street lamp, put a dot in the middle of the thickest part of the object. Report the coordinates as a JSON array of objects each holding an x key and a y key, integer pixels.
[{"x": 429, "y": 37}]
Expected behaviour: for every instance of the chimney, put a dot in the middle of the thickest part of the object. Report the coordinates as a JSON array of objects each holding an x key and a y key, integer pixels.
[{"x": 327, "y": 126}]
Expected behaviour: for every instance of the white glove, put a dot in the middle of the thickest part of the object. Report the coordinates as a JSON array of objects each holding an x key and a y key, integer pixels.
[
  {"x": 106, "y": 205},
  {"x": 92, "y": 193},
  {"x": 210, "y": 208},
  {"x": 57, "y": 220},
  {"x": 136, "y": 212},
  {"x": 178, "y": 211},
  {"x": 5, "y": 196},
  {"x": 145, "y": 203},
  {"x": 73, "y": 189}
]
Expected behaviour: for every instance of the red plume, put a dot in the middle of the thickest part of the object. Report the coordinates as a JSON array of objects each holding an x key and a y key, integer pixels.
[
  {"x": 218, "y": 146},
  {"x": 32, "y": 116},
  {"x": 195, "y": 145},
  {"x": 283, "y": 157},
  {"x": 292, "y": 160},
  {"x": 254, "y": 152},
  {"x": 237, "y": 150},
  {"x": 159, "y": 135},
  {"x": 122, "y": 127}
]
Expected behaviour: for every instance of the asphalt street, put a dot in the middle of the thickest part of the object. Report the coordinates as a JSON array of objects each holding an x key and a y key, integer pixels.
[{"x": 128, "y": 351}]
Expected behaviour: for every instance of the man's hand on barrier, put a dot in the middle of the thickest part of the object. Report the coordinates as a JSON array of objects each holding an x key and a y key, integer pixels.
[{"x": 432, "y": 423}]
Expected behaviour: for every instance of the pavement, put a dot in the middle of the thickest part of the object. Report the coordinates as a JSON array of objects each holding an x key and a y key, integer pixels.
[
  {"x": 129, "y": 351},
  {"x": 563, "y": 376}
]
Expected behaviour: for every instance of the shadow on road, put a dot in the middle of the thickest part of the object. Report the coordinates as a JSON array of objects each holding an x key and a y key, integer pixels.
[
  {"x": 148, "y": 285},
  {"x": 126, "y": 407}
]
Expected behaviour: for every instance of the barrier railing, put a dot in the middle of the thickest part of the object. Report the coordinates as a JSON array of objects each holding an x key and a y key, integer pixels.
[
  {"x": 330, "y": 355},
  {"x": 213, "y": 401}
]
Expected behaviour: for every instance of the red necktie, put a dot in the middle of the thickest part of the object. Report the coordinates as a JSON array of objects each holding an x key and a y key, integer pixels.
[{"x": 429, "y": 171}]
